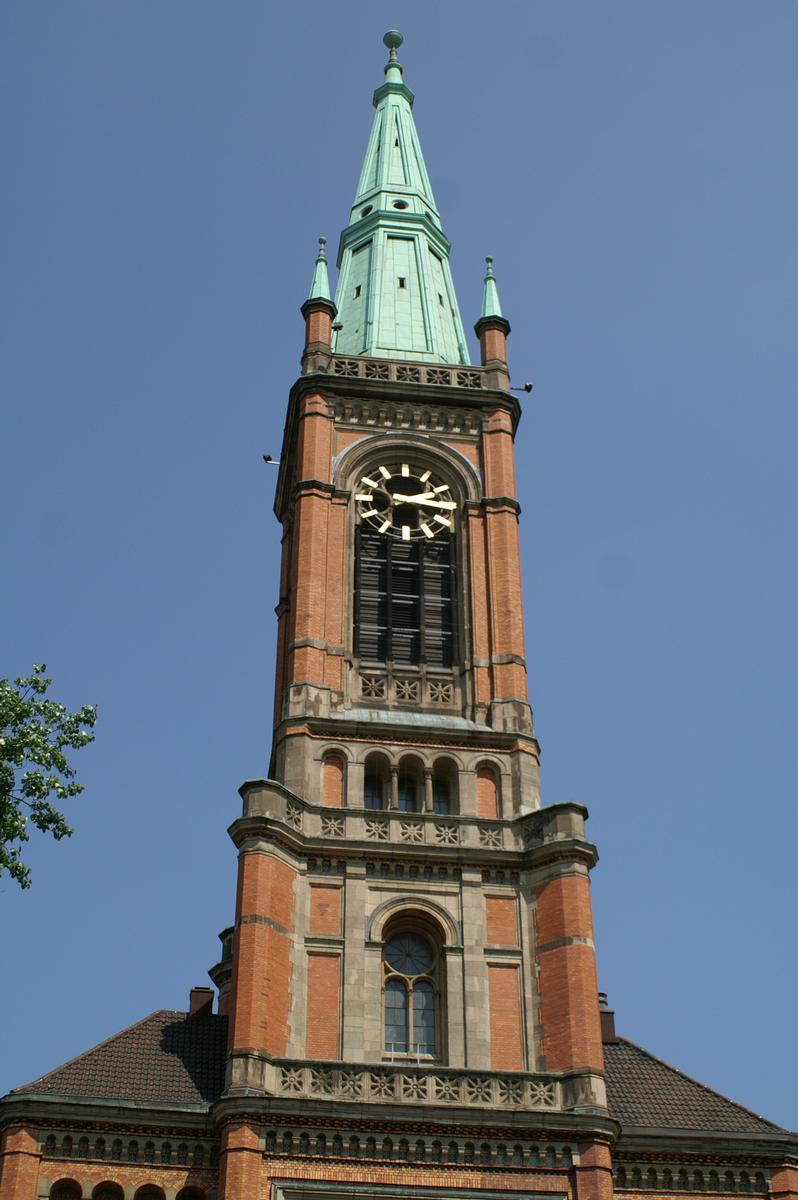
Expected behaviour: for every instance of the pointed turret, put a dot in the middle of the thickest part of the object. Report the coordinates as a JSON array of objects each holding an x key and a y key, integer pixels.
[
  {"x": 492, "y": 329},
  {"x": 320, "y": 285},
  {"x": 319, "y": 313},
  {"x": 395, "y": 293},
  {"x": 490, "y": 293}
]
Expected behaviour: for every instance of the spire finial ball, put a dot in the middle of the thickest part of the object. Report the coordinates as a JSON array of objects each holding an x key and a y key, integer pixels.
[{"x": 393, "y": 39}]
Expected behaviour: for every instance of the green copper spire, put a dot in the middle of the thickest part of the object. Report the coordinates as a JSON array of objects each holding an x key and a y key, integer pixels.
[
  {"x": 490, "y": 295},
  {"x": 320, "y": 287},
  {"x": 395, "y": 294}
]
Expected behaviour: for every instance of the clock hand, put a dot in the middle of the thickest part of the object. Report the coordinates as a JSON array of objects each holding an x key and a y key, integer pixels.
[
  {"x": 419, "y": 496},
  {"x": 424, "y": 502}
]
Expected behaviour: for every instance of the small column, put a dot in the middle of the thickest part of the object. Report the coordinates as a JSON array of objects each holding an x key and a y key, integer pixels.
[
  {"x": 493, "y": 329},
  {"x": 428, "y": 789},
  {"x": 319, "y": 312},
  {"x": 393, "y": 801}
]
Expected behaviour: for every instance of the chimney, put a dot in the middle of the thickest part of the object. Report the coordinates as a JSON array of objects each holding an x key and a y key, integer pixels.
[
  {"x": 607, "y": 1019},
  {"x": 200, "y": 1002}
]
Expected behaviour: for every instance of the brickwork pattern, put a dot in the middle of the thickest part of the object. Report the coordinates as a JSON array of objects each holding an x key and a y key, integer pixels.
[
  {"x": 323, "y": 1005},
  {"x": 19, "y": 1165},
  {"x": 325, "y": 908},
  {"x": 262, "y": 971},
  {"x": 504, "y": 997},
  {"x": 333, "y": 776},
  {"x": 501, "y": 921},
  {"x": 567, "y": 975}
]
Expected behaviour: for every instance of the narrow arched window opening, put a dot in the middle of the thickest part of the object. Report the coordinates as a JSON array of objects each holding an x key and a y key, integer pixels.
[
  {"x": 411, "y": 971},
  {"x": 444, "y": 787},
  {"x": 410, "y": 786},
  {"x": 376, "y": 782}
]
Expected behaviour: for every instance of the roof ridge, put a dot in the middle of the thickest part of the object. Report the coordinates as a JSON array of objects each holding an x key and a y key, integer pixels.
[
  {"x": 99, "y": 1046},
  {"x": 704, "y": 1086}
]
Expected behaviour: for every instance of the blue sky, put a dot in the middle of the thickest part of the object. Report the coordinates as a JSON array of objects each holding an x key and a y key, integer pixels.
[{"x": 631, "y": 168}]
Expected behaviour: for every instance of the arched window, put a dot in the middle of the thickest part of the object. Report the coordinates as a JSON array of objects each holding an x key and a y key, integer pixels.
[
  {"x": 410, "y": 966},
  {"x": 410, "y": 783},
  {"x": 108, "y": 1191},
  {"x": 333, "y": 781},
  {"x": 376, "y": 781},
  {"x": 487, "y": 791},
  {"x": 444, "y": 787},
  {"x": 65, "y": 1189}
]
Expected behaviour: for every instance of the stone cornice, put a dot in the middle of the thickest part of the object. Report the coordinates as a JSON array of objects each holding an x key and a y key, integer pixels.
[
  {"x": 47, "y": 1108},
  {"x": 273, "y": 814}
]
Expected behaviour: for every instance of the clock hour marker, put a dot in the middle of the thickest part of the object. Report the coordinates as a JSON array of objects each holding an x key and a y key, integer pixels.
[
  {"x": 425, "y": 476},
  {"x": 364, "y": 496},
  {"x": 405, "y": 468},
  {"x": 385, "y": 525},
  {"x": 372, "y": 483},
  {"x": 429, "y": 532},
  {"x": 405, "y": 533},
  {"x": 386, "y": 474},
  {"x": 372, "y": 512},
  {"x": 442, "y": 520},
  {"x": 442, "y": 487}
]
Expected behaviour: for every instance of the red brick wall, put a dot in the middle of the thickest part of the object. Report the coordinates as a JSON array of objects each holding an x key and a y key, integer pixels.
[
  {"x": 784, "y": 1182},
  {"x": 324, "y": 986},
  {"x": 392, "y": 1174},
  {"x": 241, "y": 1168},
  {"x": 333, "y": 775},
  {"x": 594, "y": 1173},
  {"x": 504, "y": 993},
  {"x": 487, "y": 793},
  {"x": 325, "y": 908},
  {"x": 19, "y": 1164},
  {"x": 130, "y": 1178},
  {"x": 262, "y": 961},
  {"x": 501, "y": 921},
  {"x": 567, "y": 975}
]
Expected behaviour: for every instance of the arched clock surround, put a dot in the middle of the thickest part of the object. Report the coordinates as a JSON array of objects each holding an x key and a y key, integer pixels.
[{"x": 415, "y": 685}]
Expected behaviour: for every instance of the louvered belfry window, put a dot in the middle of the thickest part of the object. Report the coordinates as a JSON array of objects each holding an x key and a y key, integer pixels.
[{"x": 404, "y": 599}]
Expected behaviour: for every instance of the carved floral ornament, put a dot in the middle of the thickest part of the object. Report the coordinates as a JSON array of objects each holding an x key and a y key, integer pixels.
[{"x": 404, "y": 1085}]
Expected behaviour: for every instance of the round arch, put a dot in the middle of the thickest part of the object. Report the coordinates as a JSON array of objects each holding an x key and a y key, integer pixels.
[
  {"x": 465, "y": 479},
  {"x": 387, "y": 912}
]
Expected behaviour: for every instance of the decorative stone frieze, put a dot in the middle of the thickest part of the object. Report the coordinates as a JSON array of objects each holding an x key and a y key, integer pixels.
[
  {"x": 663, "y": 1177},
  {"x": 423, "y": 689},
  {"x": 402, "y": 372},
  {"x": 411, "y": 1083},
  {"x": 339, "y": 1143},
  {"x": 371, "y": 414},
  {"x": 109, "y": 1147}
]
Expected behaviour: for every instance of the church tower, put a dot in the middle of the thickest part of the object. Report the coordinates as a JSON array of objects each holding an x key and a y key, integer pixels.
[
  {"x": 408, "y": 1004},
  {"x": 413, "y": 981}
]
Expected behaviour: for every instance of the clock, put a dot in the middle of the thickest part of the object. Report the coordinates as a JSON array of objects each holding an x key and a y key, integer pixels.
[{"x": 405, "y": 501}]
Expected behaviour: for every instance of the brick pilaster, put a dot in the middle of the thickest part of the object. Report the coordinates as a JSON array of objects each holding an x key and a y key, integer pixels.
[
  {"x": 19, "y": 1164},
  {"x": 262, "y": 959},
  {"x": 240, "y": 1162},
  {"x": 569, "y": 1011},
  {"x": 593, "y": 1176}
]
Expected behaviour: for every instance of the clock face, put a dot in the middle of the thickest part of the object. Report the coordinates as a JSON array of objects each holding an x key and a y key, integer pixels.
[{"x": 405, "y": 500}]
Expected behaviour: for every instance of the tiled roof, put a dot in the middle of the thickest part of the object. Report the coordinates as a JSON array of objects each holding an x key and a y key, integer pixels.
[
  {"x": 168, "y": 1058},
  {"x": 644, "y": 1091},
  {"x": 171, "y": 1058}
]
